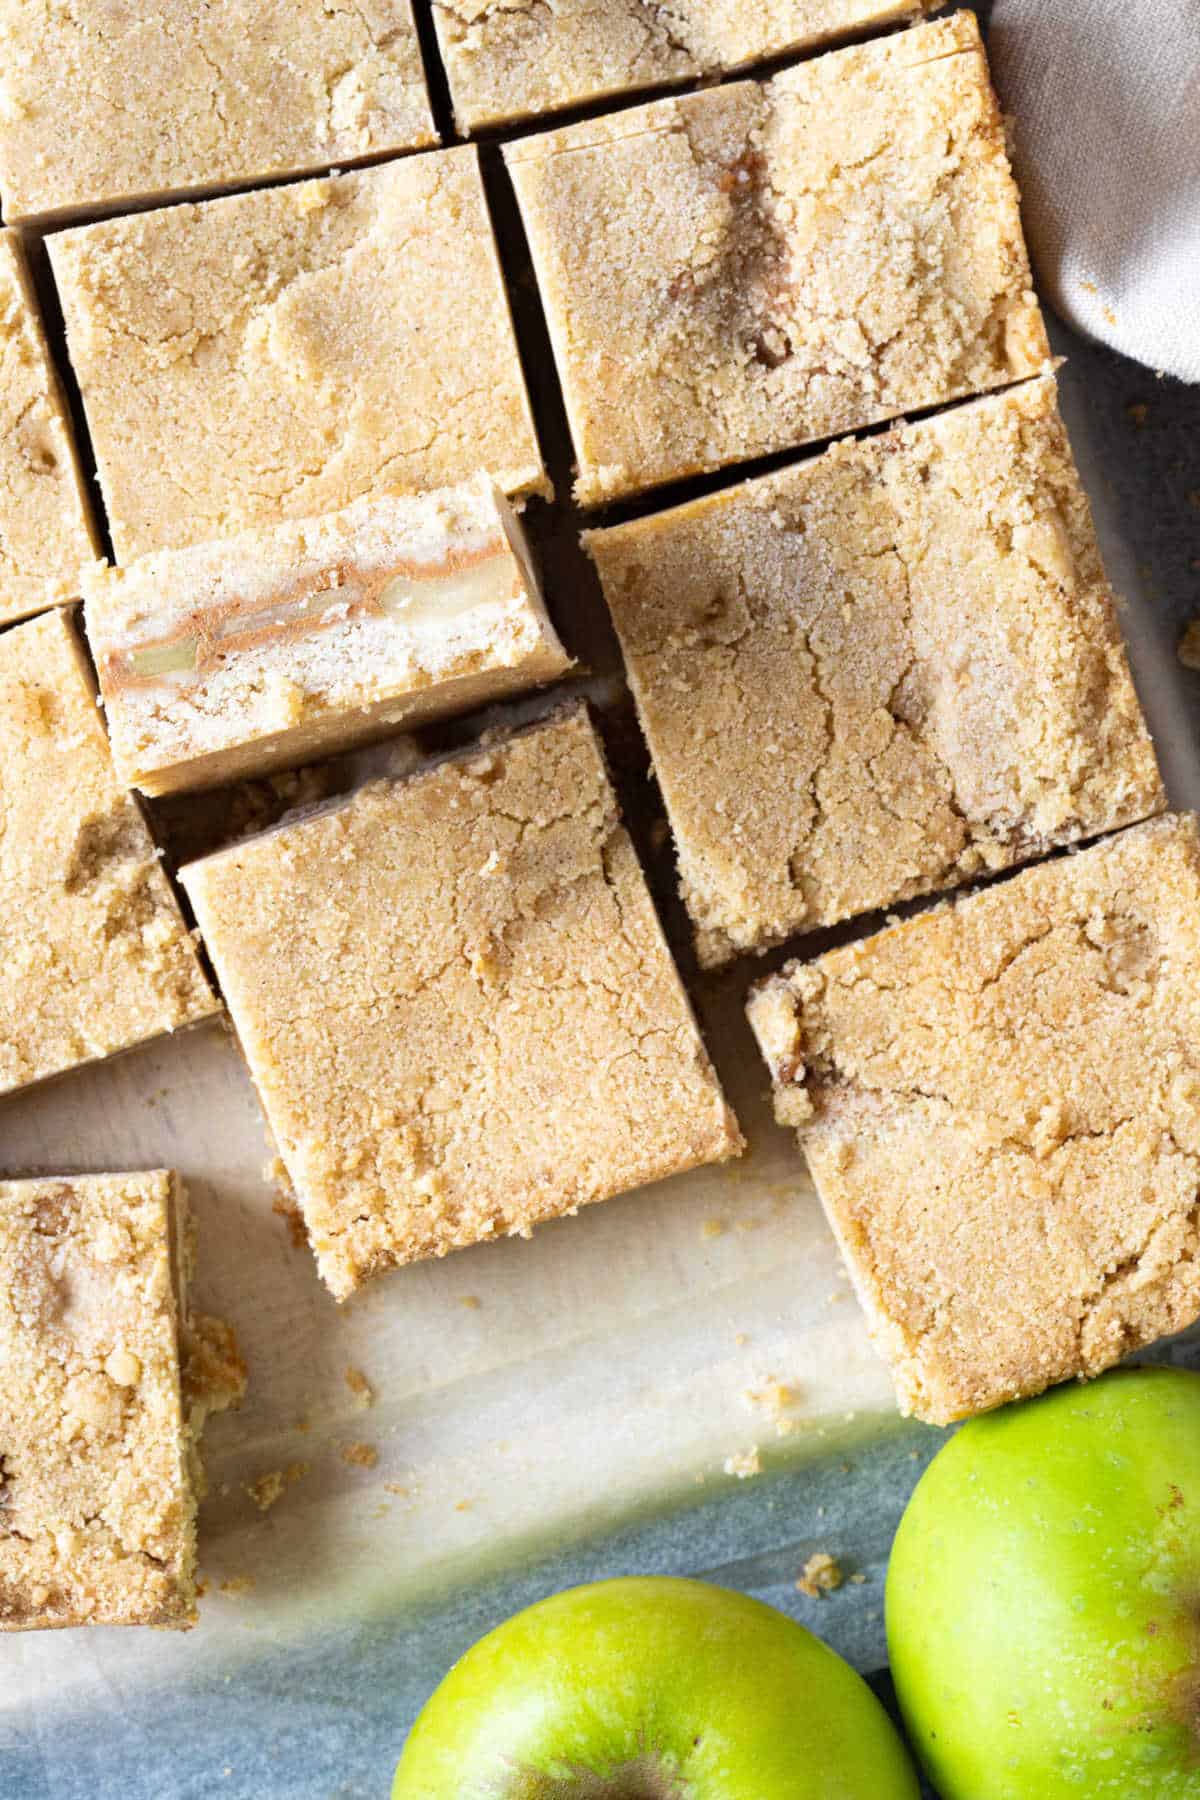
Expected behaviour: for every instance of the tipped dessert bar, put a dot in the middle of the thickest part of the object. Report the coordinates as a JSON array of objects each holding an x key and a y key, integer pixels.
[
  {"x": 282, "y": 353},
  {"x": 99, "y": 1423},
  {"x": 879, "y": 672},
  {"x": 282, "y": 644},
  {"x": 760, "y": 265},
  {"x": 457, "y": 1004},
  {"x": 46, "y": 530},
  {"x": 508, "y": 62},
  {"x": 999, "y": 1101},
  {"x": 94, "y": 954},
  {"x": 109, "y": 106}
]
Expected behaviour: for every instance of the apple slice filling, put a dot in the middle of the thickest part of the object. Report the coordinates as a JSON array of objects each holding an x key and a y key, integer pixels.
[{"x": 412, "y": 597}]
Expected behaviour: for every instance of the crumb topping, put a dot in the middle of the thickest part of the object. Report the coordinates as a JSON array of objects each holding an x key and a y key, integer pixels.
[
  {"x": 1000, "y": 1104},
  {"x": 509, "y": 59},
  {"x": 46, "y": 531},
  {"x": 100, "y": 105},
  {"x": 880, "y": 672},
  {"x": 97, "y": 1440},
  {"x": 282, "y": 353},
  {"x": 444, "y": 1059},
  {"x": 82, "y": 892},
  {"x": 757, "y": 266}
]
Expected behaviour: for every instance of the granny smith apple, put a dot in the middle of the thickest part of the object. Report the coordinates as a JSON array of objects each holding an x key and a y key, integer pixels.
[
  {"x": 1043, "y": 1598},
  {"x": 653, "y": 1689}
]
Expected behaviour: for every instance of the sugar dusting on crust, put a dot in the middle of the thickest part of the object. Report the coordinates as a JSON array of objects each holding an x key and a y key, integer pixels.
[{"x": 1000, "y": 1104}]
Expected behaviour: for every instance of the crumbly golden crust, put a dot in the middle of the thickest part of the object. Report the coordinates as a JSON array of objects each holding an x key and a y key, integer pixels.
[
  {"x": 1000, "y": 1104},
  {"x": 457, "y": 1004},
  {"x": 511, "y": 61},
  {"x": 279, "y": 354},
  {"x": 880, "y": 672},
  {"x": 105, "y": 104},
  {"x": 760, "y": 265},
  {"x": 47, "y": 535},
  {"x": 97, "y": 1440},
  {"x": 94, "y": 953},
  {"x": 293, "y": 641}
]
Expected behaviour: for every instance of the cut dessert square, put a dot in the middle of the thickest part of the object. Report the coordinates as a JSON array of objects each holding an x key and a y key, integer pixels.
[
  {"x": 109, "y": 106},
  {"x": 457, "y": 1003},
  {"x": 281, "y": 353},
  {"x": 94, "y": 953},
  {"x": 99, "y": 1423},
  {"x": 756, "y": 266},
  {"x": 879, "y": 672},
  {"x": 290, "y": 642},
  {"x": 46, "y": 531},
  {"x": 999, "y": 1101},
  {"x": 507, "y": 63}
]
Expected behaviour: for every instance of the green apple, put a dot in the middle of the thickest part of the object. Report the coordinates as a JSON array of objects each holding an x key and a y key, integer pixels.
[
  {"x": 1043, "y": 1598},
  {"x": 653, "y": 1689}
]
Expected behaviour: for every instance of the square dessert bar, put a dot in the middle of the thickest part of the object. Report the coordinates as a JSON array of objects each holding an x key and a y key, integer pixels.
[
  {"x": 99, "y": 1424},
  {"x": 281, "y": 353},
  {"x": 999, "y": 1101},
  {"x": 46, "y": 530},
  {"x": 509, "y": 62},
  {"x": 94, "y": 953},
  {"x": 879, "y": 672},
  {"x": 756, "y": 266},
  {"x": 106, "y": 105},
  {"x": 294, "y": 641},
  {"x": 457, "y": 1004}
]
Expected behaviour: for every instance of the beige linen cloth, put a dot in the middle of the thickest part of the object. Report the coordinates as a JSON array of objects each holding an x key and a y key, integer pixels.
[{"x": 1104, "y": 96}]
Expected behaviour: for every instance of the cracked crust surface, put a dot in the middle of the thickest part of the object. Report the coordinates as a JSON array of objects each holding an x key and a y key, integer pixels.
[
  {"x": 280, "y": 354},
  {"x": 999, "y": 1101},
  {"x": 757, "y": 266},
  {"x": 94, "y": 953},
  {"x": 512, "y": 59},
  {"x": 98, "y": 1432},
  {"x": 231, "y": 658},
  {"x": 879, "y": 672},
  {"x": 458, "y": 1006},
  {"x": 107, "y": 104},
  {"x": 46, "y": 530}
]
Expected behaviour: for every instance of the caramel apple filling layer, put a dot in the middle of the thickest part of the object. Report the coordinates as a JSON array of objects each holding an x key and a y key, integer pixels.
[
  {"x": 415, "y": 597},
  {"x": 228, "y": 657}
]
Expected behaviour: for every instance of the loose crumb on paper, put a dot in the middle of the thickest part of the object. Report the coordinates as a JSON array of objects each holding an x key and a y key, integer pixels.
[
  {"x": 1188, "y": 647},
  {"x": 821, "y": 1574},
  {"x": 712, "y": 1228},
  {"x": 744, "y": 1463},
  {"x": 237, "y": 1585},
  {"x": 397, "y": 1488},
  {"x": 470, "y": 1301},
  {"x": 285, "y": 1205},
  {"x": 777, "y": 1400},
  {"x": 272, "y": 1485},
  {"x": 359, "y": 1386},
  {"x": 359, "y": 1455}
]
